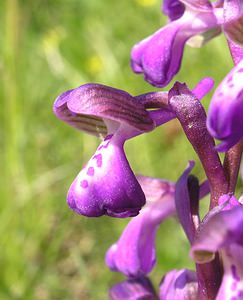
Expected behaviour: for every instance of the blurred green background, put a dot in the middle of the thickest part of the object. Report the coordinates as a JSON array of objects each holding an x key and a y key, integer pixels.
[{"x": 47, "y": 47}]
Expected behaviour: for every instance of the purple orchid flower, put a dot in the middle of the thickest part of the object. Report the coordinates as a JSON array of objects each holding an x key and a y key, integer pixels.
[
  {"x": 179, "y": 285},
  {"x": 133, "y": 289},
  {"x": 223, "y": 232},
  {"x": 159, "y": 56},
  {"x": 107, "y": 185},
  {"x": 134, "y": 253}
]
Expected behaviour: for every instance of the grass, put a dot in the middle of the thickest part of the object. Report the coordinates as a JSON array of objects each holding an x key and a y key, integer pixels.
[{"x": 47, "y": 47}]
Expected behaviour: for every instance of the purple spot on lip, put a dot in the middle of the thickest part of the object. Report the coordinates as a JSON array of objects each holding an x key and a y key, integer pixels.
[
  {"x": 108, "y": 137},
  {"x": 230, "y": 79},
  {"x": 220, "y": 94},
  {"x": 98, "y": 158},
  {"x": 231, "y": 85},
  {"x": 105, "y": 145},
  {"x": 240, "y": 70},
  {"x": 234, "y": 273},
  {"x": 84, "y": 184},
  {"x": 90, "y": 171}
]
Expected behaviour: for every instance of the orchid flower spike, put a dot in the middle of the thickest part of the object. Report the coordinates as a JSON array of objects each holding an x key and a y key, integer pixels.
[
  {"x": 159, "y": 56},
  {"x": 223, "y": 232},
  {"x": 106, "y": 185}
]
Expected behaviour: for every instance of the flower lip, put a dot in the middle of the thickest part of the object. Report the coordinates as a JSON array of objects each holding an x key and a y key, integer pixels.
[
  {"x": 62, "y": 99},
  {"x": 107, "y": 185},
  {"x": 101, "y": 210},
  {"x": 91, "y": 104}
]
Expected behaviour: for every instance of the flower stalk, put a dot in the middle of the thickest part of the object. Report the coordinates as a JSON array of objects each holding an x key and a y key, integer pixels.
[{"x": 192, "y": 117}]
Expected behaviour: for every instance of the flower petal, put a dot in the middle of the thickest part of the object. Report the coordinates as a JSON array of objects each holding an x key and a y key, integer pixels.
[
  {"x": 179, "y": 285},
  {"x": 159, "y": 56},
  {"x": 107, "y": 185},
  {"x": 174, "y": 9},
  {"x": 133, "y": 289},
  {"x": 228, "y": 202},
  {"x": 220, "y": 231},
  {"x": 90, "y": 124},
  {"x": 233, "y": 9},
  {"x": 88, "y": 106},
  {"x": 153, "y": 56},
  {"x": 236, "y": 52},
  {"x": 187, "y": 202},
  {"x": 134, "y": 253},
  {"x": 160, "y": 100},
  {"x": 155, "y": 189},
  {"x": 225, "y": 120}
]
